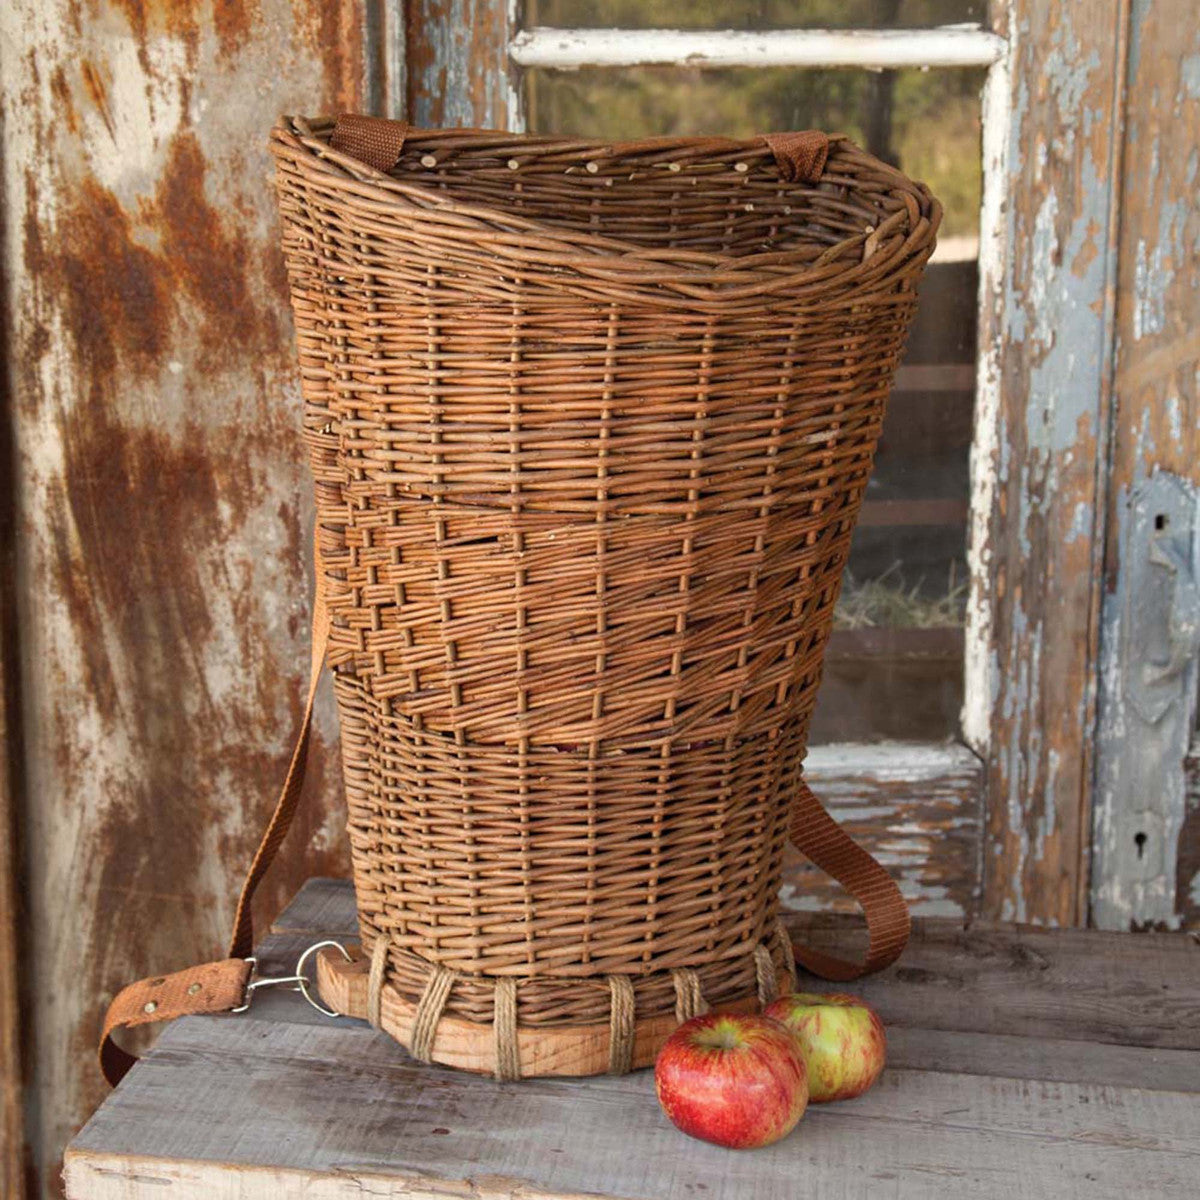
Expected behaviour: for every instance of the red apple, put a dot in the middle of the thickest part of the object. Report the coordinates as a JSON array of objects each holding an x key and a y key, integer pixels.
[
  {"x": 841, "y": 1038},
  {"x": 735, "y": 1080}
]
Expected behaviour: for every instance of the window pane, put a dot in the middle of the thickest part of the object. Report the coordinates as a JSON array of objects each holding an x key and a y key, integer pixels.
[
  {"x": 752, "y": 14},
  {"x": 894, "y": 665},
  {"x": 927, "y": 122}
]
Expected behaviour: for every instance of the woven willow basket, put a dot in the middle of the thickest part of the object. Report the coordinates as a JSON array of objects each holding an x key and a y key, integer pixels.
[{"x": 590, "y": 426}]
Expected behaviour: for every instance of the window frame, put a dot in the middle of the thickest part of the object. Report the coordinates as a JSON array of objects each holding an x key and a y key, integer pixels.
[{"x": 1052, "y": 111}]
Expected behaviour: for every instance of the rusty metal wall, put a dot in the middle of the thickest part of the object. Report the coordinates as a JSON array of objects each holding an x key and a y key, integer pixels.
[{"x": 161, "y": 492}]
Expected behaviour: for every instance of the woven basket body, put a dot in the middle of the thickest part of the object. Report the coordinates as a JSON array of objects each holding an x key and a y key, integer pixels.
[{"x": 590, "y": 428}]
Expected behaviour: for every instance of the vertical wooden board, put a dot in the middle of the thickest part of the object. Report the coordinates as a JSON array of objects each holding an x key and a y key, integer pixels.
[
  {"x": 458, "y": 73},
  {"x": 12, "y": 1064},
  {"x": 1187, "y": 865},
  {"x": 162, "y": 493},
  {"x": 1157, "y": 384},
  {"x": 1040, "y": 449}
]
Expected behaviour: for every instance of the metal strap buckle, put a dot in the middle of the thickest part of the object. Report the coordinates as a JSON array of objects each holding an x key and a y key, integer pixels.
[{"x": 297, "y": 978}]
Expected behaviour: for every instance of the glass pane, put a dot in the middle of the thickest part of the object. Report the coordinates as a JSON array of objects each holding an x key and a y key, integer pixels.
[
  {"x": 752, "y": 14},
  {"x": 894, "y": 665},
  {"x": 927, "y": 122}
]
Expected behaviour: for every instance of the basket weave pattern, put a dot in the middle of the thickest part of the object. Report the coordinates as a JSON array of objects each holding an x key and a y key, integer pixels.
[{"x": 590, "y": 428}]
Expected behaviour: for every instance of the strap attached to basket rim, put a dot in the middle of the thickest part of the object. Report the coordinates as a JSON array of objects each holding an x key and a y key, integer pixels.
[
  {"x": 801, "y": 156},
  {"x": 378, "y": 142},
  {"x": 223, "y": 985},
  {"x": 375, "y": 141}
]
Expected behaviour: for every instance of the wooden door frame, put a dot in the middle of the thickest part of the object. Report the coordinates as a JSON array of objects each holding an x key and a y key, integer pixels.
[
  {"x": 13, "y": 1145},
  {"x": 1053, "y": 111},
  {"x": 1053, "y": 135}
]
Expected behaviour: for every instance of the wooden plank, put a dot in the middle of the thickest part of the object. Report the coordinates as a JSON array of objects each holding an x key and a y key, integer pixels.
[
  {"x": 458, "y": 70},
  {"x": 896, "y": 641},
  {"x": 913, "y": 512},
  {"x": 323, "y": 907},
  {"x": 243, "y": 1108},
  {"x": 1053, "y": 149},
  {"x": 1011, "y": 1056},
  {"x": 874, "y": 49},
  {"x": 1053, "y": 1060},
  {"x": 935, "y": 377},
  {"x": 162, "y": 490},
  {"x": 1155, "y": 879},
  {"x": 916, "y": 808},
  {"x": 12, "y": 1066},
  {"x": 1078, "y": 985}
]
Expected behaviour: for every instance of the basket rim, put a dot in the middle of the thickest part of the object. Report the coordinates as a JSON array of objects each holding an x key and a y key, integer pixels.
[{"x": 697, "y": 274}]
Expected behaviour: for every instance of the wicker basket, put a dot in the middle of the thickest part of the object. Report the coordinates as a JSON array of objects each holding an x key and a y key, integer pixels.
[{"x": 590, "y": 426}]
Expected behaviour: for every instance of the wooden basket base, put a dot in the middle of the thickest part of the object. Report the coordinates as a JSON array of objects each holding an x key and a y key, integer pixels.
[{"x": 470, "y": 1046}]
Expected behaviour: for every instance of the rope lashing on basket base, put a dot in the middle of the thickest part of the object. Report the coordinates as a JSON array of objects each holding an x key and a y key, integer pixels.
[
  {"x": 375, "y": 978},
  {"x": 430, "y": 1006},
  {"x": 429, "y": 1013},
  {"x": 508, "y": 1054},
  {"x": 689, "y": 1003},
  {"x": 621, "y": 1025},
  {"x": 689, "y": 1000},
  {"x": 764, "y": 969}
]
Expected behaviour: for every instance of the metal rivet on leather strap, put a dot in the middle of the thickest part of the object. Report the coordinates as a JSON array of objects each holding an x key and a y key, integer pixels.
[
  {"x": 193, "y": 989},
  {"x": 150, "y": 1006}
]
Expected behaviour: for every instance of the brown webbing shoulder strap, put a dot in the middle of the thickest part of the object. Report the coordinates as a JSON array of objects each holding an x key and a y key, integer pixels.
[
  {"x": 822, "y": 840},
  {"x": 241, "y": 943},
  {"x": 220, "y": 986}
]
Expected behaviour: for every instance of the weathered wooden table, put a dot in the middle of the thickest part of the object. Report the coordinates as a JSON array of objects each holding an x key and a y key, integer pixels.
[{"x": 1022, "y": 1063}]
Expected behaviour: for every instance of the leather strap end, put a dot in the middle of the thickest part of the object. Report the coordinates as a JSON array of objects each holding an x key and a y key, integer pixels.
[
  {"x": 800, "y": 157},
  {"x": 372, "y": 140},
  {"x": 212, "y": 987}
]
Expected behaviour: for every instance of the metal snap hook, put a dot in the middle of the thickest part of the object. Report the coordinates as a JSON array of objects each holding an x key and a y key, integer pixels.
[
  {"x": 302, "y": 981},
  {"x": 298, "y": 978}
]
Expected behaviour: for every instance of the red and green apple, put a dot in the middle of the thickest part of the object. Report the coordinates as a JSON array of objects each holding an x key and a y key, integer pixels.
[
  {"x": 738, "y": 1081},
  {"x": 841, "y": 1038}
]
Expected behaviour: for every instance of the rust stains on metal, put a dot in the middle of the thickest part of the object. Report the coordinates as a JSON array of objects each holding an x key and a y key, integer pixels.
[
  {"x": 208, "y": 256},
  {"x": 97, "y": 93},
  {"x": 121, "y": 297},
  {"x": 116, "y": 294},
  {"x": 162, "y": 485},
  {"x": 335, "y": 35}
]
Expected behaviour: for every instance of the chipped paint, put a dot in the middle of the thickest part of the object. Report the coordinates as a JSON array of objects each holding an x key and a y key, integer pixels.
[
  {"x": 1038, "y": 457},
  {"x": 980, "y": 677},
  {"x": 1146, "y": 773},
  {"x": 162, "y": 492},
  {"x": 875, "y": 49},
  {"x": 458, "y": 69},
  {"x": 916, "y": 807}
]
